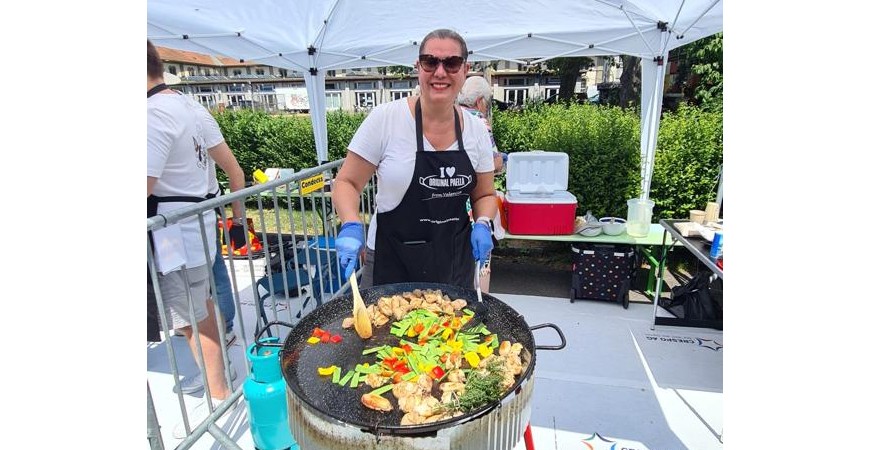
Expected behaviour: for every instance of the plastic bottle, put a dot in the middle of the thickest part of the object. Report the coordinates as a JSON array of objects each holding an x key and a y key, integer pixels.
[{"x": 266, "y": 395}]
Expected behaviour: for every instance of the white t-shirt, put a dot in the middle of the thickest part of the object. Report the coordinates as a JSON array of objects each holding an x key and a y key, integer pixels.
[
  {"x": 178, "y": 158},
  {"x": 211, "y": 132},
  {"x": 387, "y": 138}
]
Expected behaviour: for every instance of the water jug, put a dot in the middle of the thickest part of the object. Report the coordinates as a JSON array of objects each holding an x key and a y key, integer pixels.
[
  {"x": 266, "y": 395},
  {"x": 639, "y": 217}
]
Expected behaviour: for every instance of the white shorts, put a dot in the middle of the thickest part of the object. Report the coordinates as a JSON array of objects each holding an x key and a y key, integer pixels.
[{"x": 174, "y": 293}]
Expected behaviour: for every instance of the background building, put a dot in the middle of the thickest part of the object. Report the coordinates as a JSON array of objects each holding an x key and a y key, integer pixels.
[{"x": 219, "y": 82}]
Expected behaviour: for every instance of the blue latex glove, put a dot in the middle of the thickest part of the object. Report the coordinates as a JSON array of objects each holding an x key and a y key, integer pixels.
[
  {"x": 481, "y": 241},
  {"x": 348, "y": 244}
]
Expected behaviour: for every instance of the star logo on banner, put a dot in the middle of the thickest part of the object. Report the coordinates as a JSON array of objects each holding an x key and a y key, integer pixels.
[
  {"x": 596, "y": 442},
  {"x": 709, "y": 343}
]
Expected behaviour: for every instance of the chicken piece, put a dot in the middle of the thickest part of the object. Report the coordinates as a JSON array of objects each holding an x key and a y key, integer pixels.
[
  {"x": 452, "y": 386},
  {"x": 456, "y": 376},
  {"x": 458, "y": 304},
  {"x": 513, "y": 364},
  {"x": 446, "y": 298},
  {"x": 376, "y": 402},
  {"x": 375, "y": 381},
  {"x": 516, "y": 348},
  {"x": 347, "y": 323},
  {"x": 428, "y": 406},
  {"x": 507, "y": 381},
  {"x": 431, "y": 297},
  {"x": 454, "y": 361},
  {"x": 412, "y": 418},
  {"x": 385, "y": 306},
  {"x": 409, "y": 402},
  {"x": 371, "y": 310},
  {"x": 447, "y": 307},
  {"x": 504, "y": 348},
  {"x": 379, "y": 319},
  {"x": 407, "y": 295},
  {"x": 405, "y": 388},
  {"x": 448, "y": 397},
  {"x": 432, "y": 307},
  {"x": 425, "y": 384},
  {"x": 417, "y": 293},
  {"x": 434, "y": 418},
  {"x": 415, "y": 303}
]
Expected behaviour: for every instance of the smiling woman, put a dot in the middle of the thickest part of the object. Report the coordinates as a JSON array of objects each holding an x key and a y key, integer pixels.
[{"x": 421, "y": 228}]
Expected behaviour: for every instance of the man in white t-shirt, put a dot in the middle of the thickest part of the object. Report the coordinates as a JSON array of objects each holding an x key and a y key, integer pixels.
[{"x": 177, "y": 175}]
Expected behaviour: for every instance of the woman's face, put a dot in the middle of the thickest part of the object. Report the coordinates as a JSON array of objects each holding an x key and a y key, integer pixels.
[{"x": 440, "y": 85}]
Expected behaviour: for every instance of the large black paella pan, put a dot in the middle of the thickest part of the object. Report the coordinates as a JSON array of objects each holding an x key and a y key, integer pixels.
[{"x": 300, "y": 360}]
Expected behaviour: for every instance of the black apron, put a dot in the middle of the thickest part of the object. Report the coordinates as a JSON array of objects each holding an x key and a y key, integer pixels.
[{"x": 427, "y": 238}]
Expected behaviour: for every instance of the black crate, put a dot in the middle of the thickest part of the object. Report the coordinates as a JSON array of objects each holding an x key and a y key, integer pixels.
[{"x": 602, "y": 272}]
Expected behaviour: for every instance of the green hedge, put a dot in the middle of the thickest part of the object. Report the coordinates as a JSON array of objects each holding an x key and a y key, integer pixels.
[
  {"x": 602, "y": 143},
  {"x": 260, "y": 141},
  {"x": 603, "y": 147}
]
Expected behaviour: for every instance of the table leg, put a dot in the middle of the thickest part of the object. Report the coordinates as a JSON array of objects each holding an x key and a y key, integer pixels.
[{"x": 659, "y": 276}]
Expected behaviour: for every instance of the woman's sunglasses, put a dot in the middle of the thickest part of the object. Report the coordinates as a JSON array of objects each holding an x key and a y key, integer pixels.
[{"x": 452, "y": 64}]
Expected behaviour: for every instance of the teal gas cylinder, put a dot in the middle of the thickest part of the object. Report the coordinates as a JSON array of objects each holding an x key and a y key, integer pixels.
[{"x": 266, "y": 395}]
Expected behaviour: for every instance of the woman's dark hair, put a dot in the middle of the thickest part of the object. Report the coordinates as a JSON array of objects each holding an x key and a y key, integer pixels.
[
  {"x": 444, "y": 33},
  {"x": 155, "y": 65}
]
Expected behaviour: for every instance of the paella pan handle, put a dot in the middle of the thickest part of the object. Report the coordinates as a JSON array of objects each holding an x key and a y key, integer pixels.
[
  {"x": 550, "y": 347},
  {"x": 260, "y": 335}
]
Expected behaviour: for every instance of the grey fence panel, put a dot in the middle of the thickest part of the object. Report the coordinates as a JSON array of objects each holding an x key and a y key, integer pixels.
[{"x": 304, "y": 247}]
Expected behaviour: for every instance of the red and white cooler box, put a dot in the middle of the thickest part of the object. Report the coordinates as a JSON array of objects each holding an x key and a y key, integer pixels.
[{"x": 537, "y": 201}]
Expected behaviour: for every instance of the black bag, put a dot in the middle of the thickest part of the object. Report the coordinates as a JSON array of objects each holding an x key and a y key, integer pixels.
[
  {"x": 602, "y": 272},
  {"x": 694, "y": 300}
]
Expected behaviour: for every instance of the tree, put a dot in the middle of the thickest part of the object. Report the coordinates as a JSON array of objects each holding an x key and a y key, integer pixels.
[
  {"x": 568, "y": 69},
  {"x": 699, "y": 76},
  {"x": 629, "y": 82}
]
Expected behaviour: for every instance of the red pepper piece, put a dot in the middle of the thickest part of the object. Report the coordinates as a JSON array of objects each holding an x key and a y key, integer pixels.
[{"x": 335, "y": 339}]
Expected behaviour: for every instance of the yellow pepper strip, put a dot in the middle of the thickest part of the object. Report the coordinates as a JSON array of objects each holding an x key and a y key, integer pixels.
[
  {"x": 398, "y": 351},
  {"x": 313, "y": 340},
  {"x": 484, "y": 350},
  {"x": 447, "y": 333},
  {"x": 326, "y": 370},
  {"x": 455, "y": 345},
  {"x": 472, "y": 358}
]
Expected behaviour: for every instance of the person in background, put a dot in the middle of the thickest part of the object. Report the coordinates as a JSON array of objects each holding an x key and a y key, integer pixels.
[
  {"x": 421, "y": 231},
  {"x": 177, "y": 175},
  {"x": 219, "y": 152},
  {"x": 476, "y": 98}
]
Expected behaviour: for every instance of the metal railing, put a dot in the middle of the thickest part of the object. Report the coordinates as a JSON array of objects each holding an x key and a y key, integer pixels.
[{"x": 298, "y": 249}]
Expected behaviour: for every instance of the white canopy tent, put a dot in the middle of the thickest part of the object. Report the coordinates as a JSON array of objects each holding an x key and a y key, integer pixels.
[{"x": 314, "y": 36}]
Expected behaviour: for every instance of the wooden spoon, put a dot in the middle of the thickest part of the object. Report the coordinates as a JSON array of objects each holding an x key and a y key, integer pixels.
[{"x": 361, "y": 321}]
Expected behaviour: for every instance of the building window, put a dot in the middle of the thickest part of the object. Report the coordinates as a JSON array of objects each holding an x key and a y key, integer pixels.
[
  {"x": 282, "y": 72},
  {"x": 333, "y": 101},
  {"x": 549, "y": 92},
  {"x": 365, "y": 85},
  {"x": 403, "y": 84},
  {"x": 331, "y": 86},
  {"x": 267, "y": 88},
  {"x": 173, "y": 70},
  {"x": 516, "y": 82},
  {"x": 237, "y": 72},
  {"x": 261, "y": 72},
  {"x": 400, "y": 94},
  {"x": 236, "y": 88},
  {"x": 366, "y": 100},
  {"x": 516, "y": 96},
  {"x": 204, "y": 89}
]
